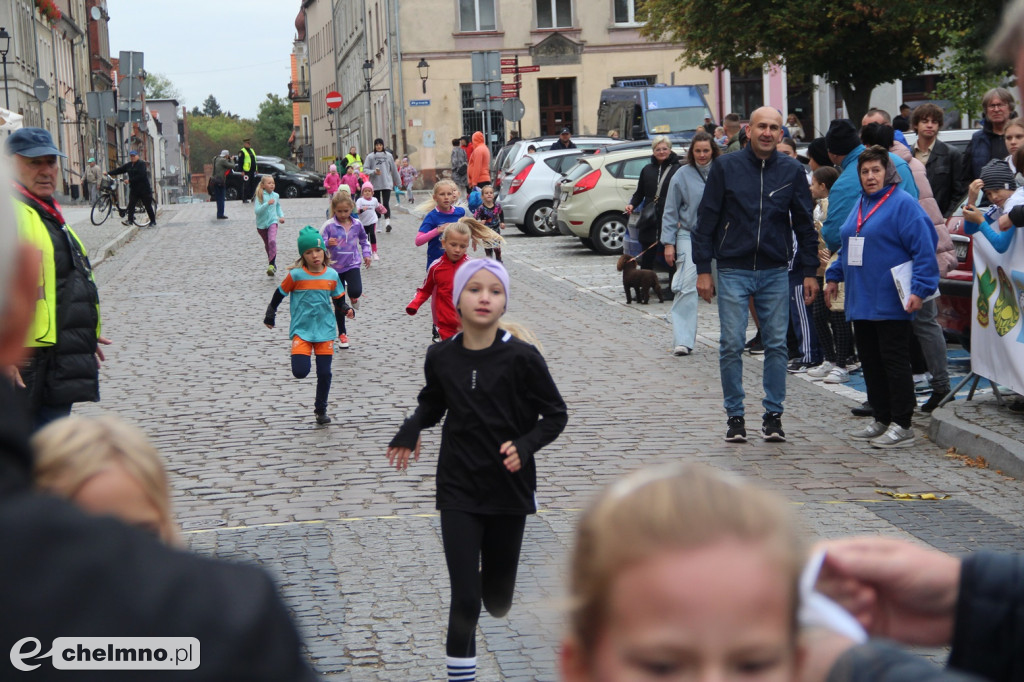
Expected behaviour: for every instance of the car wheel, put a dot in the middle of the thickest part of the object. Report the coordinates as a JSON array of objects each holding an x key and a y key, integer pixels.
[
  {"x": 231, "y": 193},
  {"x": 587, "y": 242},
  {"x": 292, "y": 192},
  {"x": 536, "y": 224},
  {"x": 608, "y": 235}
]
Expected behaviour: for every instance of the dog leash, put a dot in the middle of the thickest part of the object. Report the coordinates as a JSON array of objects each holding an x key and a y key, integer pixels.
[{"x": 633, "y": 258}]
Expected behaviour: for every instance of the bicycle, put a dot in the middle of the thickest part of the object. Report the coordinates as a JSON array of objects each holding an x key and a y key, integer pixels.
[{"x": 106, "y": 200}]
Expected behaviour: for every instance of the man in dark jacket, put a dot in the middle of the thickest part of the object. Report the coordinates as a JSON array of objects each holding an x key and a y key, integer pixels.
[
  {"x": 943, "y": 165},
  {"x": 67, "y": 574},
  {"x": 65, "y": 329},
  {"x": 139, "y": 189},
  {"x": 564, "y": 140},
  {"x": 753, "y": 202},
  {"x": 988, "y": 143}
]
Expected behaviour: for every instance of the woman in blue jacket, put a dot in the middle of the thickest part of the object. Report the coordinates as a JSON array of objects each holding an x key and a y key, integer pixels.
[{"x": 885, "y": 229}]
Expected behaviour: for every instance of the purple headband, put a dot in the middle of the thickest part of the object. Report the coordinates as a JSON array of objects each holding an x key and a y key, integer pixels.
[{"x": 470, "y": 268}]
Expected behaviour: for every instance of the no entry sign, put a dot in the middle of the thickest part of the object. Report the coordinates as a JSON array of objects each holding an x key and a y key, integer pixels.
[{"x": 334, "y": 99}]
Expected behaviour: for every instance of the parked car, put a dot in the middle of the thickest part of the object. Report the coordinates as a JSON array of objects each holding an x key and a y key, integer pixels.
[
  {"x": 955, "y": 305},
  {"x": 596, "y": 217},
  {"x": 291, "y": 181},
  {"x": 529, "y": 191},
  {"x": 502, "y": 166}
]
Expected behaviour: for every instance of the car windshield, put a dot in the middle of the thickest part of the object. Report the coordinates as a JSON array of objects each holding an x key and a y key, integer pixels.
[
  {"x": 682, "y": 121},
  {"x": 288, "y": 166}
]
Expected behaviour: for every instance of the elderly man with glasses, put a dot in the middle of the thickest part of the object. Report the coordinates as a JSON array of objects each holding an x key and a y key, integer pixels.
[{"x": 988, "y": 143}]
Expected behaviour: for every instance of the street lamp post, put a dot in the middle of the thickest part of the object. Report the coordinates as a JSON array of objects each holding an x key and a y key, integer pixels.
[
  {"x": 367, "y": 74},
  {"x": 424, "y": 69},
  {"x": 5, "y": 47}
]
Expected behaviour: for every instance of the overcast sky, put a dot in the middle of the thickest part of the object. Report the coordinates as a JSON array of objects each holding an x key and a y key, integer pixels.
[{"x": 236, "y": 50}]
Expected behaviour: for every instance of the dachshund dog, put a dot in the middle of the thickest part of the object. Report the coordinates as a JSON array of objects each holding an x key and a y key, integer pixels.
[{"x": 640, "y": 281}]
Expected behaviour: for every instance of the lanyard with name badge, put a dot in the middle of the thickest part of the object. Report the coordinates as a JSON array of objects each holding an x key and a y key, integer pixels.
[{"x": 855, "y": 256}]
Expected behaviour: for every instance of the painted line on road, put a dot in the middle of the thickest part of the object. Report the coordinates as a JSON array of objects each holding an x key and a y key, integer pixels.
[{"x": 434, "y": 515}]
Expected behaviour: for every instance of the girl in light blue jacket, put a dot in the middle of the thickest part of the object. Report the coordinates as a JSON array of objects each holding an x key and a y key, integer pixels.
[
  {"x": 678, "y": 221},
  {"x": 267, "y": 205}
]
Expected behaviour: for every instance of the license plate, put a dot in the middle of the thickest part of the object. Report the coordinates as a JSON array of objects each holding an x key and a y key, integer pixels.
[
  {"x": 565, "y": 195},
  {"x": 961, "y": 250}
]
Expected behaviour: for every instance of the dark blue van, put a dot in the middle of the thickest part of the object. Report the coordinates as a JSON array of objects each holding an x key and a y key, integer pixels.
[{"x": 641, "y": 112}]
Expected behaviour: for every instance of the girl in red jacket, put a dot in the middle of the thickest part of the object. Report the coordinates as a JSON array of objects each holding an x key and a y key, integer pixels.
[{"x": 455, "y": 240}]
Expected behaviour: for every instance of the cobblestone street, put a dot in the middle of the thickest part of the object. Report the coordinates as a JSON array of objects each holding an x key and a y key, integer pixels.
[{"x": 354, "y": 545}]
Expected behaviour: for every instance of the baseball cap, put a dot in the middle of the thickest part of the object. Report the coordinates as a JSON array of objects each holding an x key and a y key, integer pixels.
[
  {"x": 565, "y": 131},
  {"x": 133, "y": 153},
  {"x": 32, "y": 142}
]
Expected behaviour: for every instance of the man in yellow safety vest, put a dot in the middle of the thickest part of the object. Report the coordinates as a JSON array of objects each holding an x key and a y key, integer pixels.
[{"x": 247, "y": 165}]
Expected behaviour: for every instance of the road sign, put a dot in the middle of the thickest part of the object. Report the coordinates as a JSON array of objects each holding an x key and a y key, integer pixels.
[
  {"x": 513, "y": 109},
  {"x": 506, "y": 61},
  {"x": 510, "y": 87},
  {"x": 509, "y": 69},
  {"x": 527, "y": 69},
  {"x": 334, "y": 99},
  {"x": 419, "y": 103}
]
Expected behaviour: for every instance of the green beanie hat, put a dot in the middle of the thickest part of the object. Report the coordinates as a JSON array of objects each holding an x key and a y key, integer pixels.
[{"x": 309, "y": 238}]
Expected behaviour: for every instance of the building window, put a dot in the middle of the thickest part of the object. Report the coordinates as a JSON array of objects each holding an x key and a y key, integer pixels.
[
  {"x": 625, "y": 11},
  {"x": 554, "y": 13},
  {"x": 473, "y": 119},
  {"x": 477, "y": 15}
]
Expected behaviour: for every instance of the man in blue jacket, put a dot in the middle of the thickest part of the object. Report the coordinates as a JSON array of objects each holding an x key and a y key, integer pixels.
[{"x": 753, "y": 202}]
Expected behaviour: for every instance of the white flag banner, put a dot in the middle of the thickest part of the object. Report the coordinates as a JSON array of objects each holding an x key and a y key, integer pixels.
[{"x": 997, "y": 330}]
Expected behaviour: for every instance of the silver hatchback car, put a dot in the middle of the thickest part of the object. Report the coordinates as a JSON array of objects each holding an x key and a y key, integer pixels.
[{"x": 529, "y": 189}]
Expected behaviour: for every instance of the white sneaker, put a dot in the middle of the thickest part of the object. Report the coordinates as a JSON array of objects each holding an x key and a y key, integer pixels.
[
  {"x": 838, "y": 375},
  {"x": 821, "y": 371},
  {"x": 871, "y": 432},
  {"x": 355, "y": 304},
  {"x": 894, "y": 437},
  {"x": 375, "y": 256},
  {"x": 682, "y": 350}
]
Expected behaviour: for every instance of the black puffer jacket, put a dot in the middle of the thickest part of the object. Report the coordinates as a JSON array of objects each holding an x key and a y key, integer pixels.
[
  {"x": 647, "y": 186},
  {"x": 66, "y": 372},
  {"x": 138, "y": 176}
]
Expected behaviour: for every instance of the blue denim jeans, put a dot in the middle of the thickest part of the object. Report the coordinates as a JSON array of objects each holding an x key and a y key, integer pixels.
[
  {"x": 684, "y": 286},
  {"x": 770, "y": 289}
]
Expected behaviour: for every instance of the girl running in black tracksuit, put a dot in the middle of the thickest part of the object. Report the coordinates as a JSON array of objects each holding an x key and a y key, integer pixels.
[{"x": 503, "y": 406}]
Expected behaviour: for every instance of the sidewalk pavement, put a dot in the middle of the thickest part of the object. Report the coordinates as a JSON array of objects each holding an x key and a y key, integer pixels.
[{"x": 977, "y": 428}]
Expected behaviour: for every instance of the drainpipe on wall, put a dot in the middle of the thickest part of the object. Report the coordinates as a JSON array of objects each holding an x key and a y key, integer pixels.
[{"x": 400, "y": 108}]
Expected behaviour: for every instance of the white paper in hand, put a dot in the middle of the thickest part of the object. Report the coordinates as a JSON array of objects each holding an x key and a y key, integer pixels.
[{"x": 817, "y": 610}]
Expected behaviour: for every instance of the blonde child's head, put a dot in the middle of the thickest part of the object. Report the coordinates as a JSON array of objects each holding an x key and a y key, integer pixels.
[
  {"x": 487, "y": 193},
  {"x": 720, "y": 558},
  {"x": 267, "y": 184},
  {"x": 481, "y": 234},
  {"x": 343, "y": 200},
  {"x": 1013, "y": 134},
  {"x": 455, "y": 240},
  {"x": 109, "y": 468},
  {"x": 443, "y": 198}
]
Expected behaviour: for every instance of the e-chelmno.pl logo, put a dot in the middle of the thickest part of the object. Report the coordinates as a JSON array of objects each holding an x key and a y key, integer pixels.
[{"x": 109, "y": 653}]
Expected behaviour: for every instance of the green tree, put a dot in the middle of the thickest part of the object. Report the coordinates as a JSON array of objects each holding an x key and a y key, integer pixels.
[
  {"x": 273, "y": 126},
  {"x": 968, "y": 77},
  {"x": 211, "y": 107},
  {"x": 210, "y": 134},
  {"x": 854, "y": 44},
  {"x": 159, "y": 86}
]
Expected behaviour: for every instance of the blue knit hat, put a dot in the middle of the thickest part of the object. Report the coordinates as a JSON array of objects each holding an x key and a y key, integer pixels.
[{"x": 309, "y": 238}]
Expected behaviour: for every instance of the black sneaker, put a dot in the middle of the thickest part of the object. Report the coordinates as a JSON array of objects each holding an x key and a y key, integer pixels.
[
  {"x": 799, "y": 366},
  {"x": 435, "y": 336},
  {"x": 863, "y": 410},
  {"x": 754, "y": 346},
  {"x": 771, "y": 428},
  {"x": 322, "y": 418},
  {"x": 933, "y": 401},
  {"x": 737, "y": 432}
]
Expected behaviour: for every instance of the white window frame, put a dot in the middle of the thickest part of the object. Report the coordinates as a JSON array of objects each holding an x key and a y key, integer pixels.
[
  {"x": 554, "y": 13},
  {"x": 476, "y": 15},
  {"x": 631, "y": 10}
]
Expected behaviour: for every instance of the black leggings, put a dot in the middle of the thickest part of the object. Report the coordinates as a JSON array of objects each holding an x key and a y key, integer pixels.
[
  {"x": 371, "y": 232},
  {"x": 482, "y": 551},
  {"x": 353, "y": 281},
  {"x": 300, "y": 370},
  {"x": 384, "y": 197}
]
